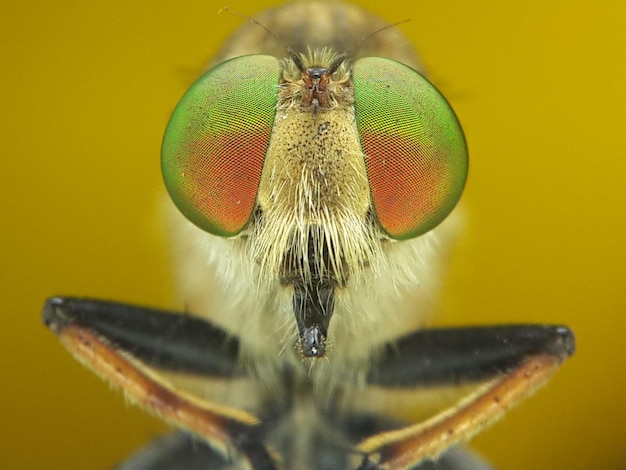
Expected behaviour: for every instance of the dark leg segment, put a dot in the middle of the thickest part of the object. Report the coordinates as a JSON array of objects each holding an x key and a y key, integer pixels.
[
  {"x": 96, "y": 333},
  {"x": 513, "y": 362},
  {"x": 450, "y": 356}
]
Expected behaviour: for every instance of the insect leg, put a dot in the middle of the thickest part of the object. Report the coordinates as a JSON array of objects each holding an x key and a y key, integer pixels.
[
  {"x": 510, "y": 362},
  {"x": 128, "y": 345}
]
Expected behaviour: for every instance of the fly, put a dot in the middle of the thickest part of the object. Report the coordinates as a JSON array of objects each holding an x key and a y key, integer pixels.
[{"x": 314, "y": 186}]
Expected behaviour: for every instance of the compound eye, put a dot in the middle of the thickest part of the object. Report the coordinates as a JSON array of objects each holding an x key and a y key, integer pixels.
[
  {"x": 414, "y": 148},
  {"x": 215, "y": 143}
]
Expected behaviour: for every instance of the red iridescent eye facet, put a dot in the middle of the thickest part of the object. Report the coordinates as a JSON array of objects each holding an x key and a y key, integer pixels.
[
  {"x": 415, "y": 151},
  {"x": 215, "y": 143}
]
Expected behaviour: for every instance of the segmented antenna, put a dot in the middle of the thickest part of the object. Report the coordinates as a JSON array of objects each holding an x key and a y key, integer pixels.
[
  {"x": 380, "y": 30},
  {"x": 293, "y": 55}
]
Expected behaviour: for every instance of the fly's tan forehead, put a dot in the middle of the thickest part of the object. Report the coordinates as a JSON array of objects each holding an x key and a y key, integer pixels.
[
  {"x": 314, "y": 160},
  {"x": 314, "y": 182}
]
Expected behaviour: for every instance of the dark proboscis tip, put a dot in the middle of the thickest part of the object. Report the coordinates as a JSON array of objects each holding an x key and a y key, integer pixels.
[{"x": 313, "y": 342}]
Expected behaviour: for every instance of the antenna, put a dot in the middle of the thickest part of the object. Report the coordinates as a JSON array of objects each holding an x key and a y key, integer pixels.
[
  {"x": 392, "y": 25},
  {"x": 295, "y": 57}
]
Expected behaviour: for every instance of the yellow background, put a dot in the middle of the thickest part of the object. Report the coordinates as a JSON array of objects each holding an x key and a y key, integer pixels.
[{"x": 87, "y": 88}]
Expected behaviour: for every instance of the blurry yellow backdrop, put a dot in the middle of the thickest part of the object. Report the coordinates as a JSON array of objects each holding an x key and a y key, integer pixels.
[{"x": 87, "y": 88}]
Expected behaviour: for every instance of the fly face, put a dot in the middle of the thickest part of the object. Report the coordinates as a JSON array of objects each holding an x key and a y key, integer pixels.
[
  {"x": 318, "y": 165},
  {"x": 313, "y": 188}
]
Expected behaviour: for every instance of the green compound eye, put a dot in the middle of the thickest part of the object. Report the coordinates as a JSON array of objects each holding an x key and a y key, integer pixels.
[
  {"x": 215, "y": 143},
  {"x": 414, "y": 148}
]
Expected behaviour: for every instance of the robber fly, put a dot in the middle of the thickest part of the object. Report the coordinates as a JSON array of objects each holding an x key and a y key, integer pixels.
[{"x": 313, "y": 182}]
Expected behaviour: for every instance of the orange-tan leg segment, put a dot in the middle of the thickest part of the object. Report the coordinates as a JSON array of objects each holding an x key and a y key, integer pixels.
[
  {"x": 407, "y": 447},
  {"x": 137, "y": 349},
  {"x": 224, "y": 428}
]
